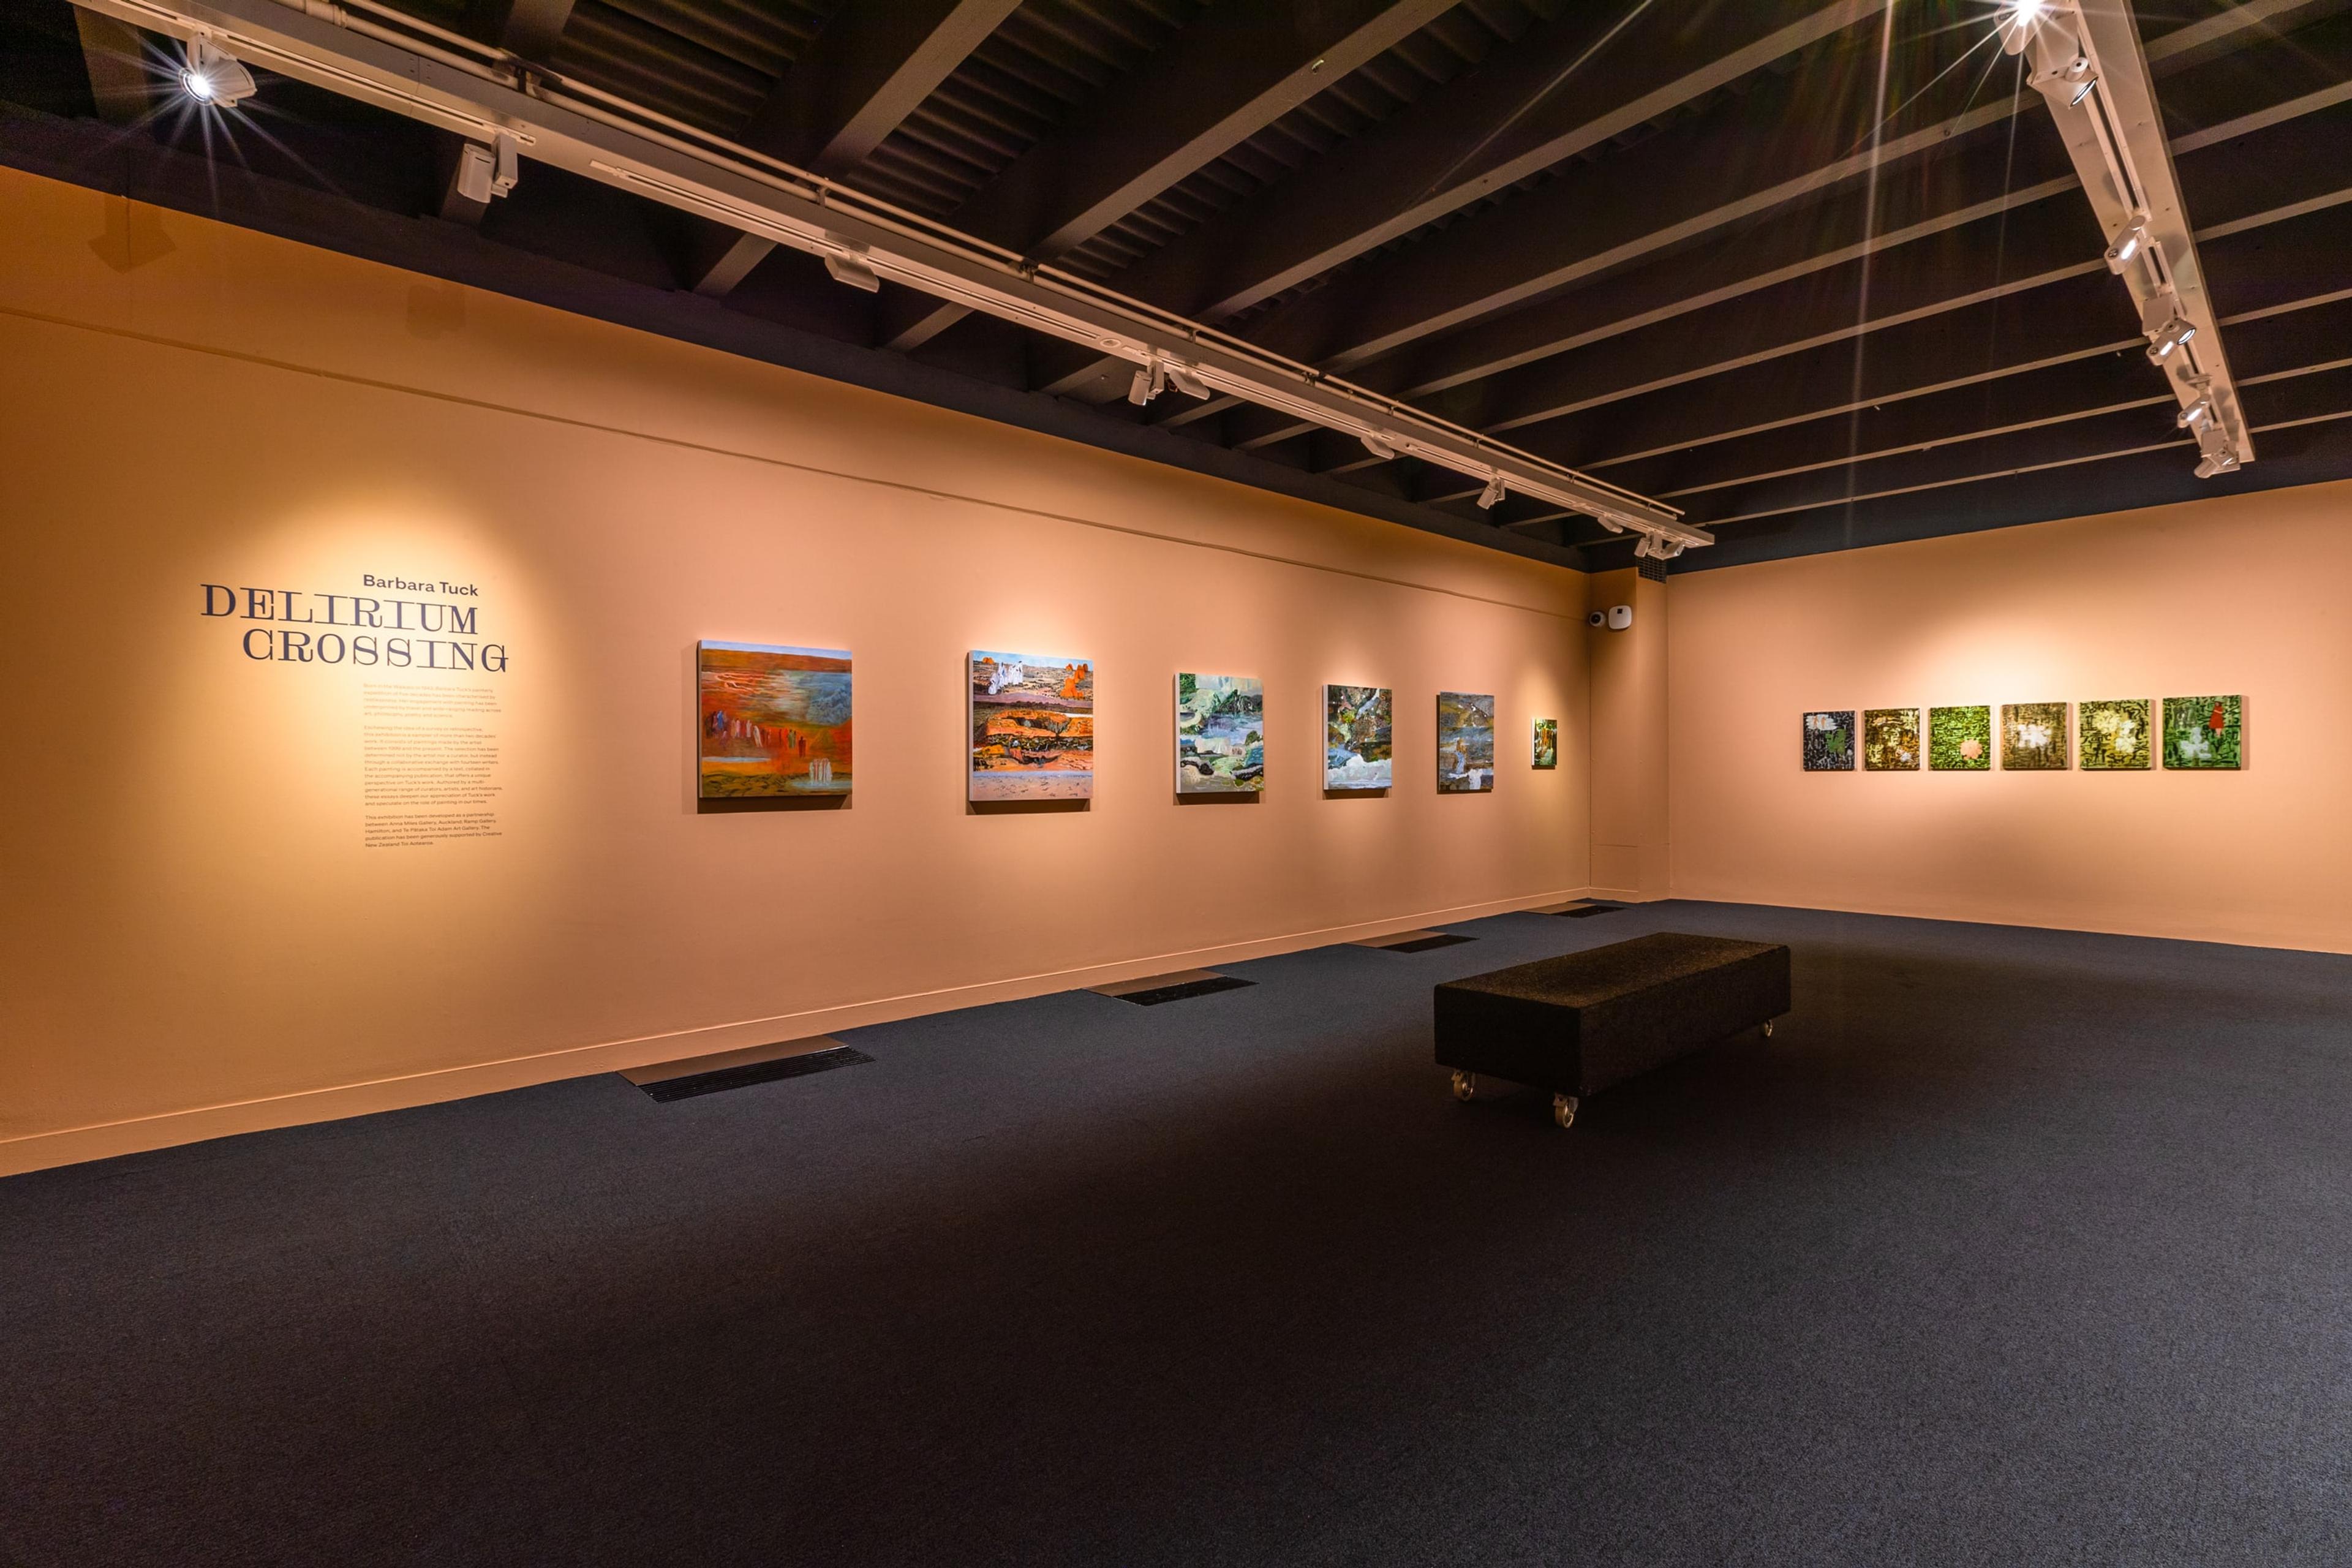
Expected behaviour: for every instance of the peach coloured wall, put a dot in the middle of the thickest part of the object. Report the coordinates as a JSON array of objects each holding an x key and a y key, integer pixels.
[
  {"x": 1628, "y": 738},
  {"x": 2249, "y": 595},
  {"x": 197, "y": 937}
]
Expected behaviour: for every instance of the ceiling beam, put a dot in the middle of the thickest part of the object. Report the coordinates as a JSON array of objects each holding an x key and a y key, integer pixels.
[
  {"x": 869, "y": 68},
  {"x": 1507, "y": 120},
  {"x": 116, "y": 61},
  {"x": 528, "y": 28},
  {"x": 1231, "y": 71}
]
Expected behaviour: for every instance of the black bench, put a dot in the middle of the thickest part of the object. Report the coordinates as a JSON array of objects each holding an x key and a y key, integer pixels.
[{"x": 1577, "y": 1024}]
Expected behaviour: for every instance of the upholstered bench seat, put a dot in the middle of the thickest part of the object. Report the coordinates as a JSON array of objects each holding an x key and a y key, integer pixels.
[{"x": 1577, "y": 1024}]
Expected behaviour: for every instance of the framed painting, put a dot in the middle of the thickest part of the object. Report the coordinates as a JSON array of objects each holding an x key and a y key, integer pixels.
[
  {"x": 2112, "y": 734},
  {"x": 1033, "y": 727},
  {"x": 1220, "y": 734},
  {"x": 2204, "y": 732},
  {"x": 1829, "y": 742},
  {"x": 1547, "y": 743},
  {"x": 1465, "y": 743},
  {"x": 1356, "y": 737},
  {"x": 1959, "y": 740},
  {"x": 2032, "y": 737},
  {"x": 774, "y": 720},
  {"x": 1890, "y": 739}
]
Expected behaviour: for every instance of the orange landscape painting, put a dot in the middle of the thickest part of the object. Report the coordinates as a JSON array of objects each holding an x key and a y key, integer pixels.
[
  {"x": 1033, "y": 727},
  {"x": 774, "y": 720}
]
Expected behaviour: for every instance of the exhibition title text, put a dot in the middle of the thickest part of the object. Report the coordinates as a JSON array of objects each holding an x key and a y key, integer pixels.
[{"x": 378, "y": 629}]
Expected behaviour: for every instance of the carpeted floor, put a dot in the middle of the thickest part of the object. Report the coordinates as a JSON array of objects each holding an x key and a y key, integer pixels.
[{"x": 2012, "y": 1246}]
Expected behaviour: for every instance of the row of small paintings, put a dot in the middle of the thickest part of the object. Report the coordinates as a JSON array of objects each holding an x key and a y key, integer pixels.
[
  {"x": 2112, "y": 734},
  {"x": 776, "y": 721}
]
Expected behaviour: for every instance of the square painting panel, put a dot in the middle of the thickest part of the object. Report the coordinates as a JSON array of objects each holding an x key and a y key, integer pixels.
[
  {"x": 1356, "y": 737},
  {"x": 1829, "y": 742},
  {"x": 1960, "y": 738},
  {"x": 1890, "y": 739},
  {"x": 1466, "y": 741},
  {"x": 2203, "y": 732},
  {"x": 1220, "y": 734},
  {"x": 1033, "y": 727},
  {"x": 2114, "y": 734},
  {"x": 1547, "y": 743},
  {"x": 774, "y": 720},
  {"x": 2032, "y": 737}
]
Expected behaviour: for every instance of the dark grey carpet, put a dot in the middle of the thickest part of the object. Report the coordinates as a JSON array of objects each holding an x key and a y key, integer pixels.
[{"x": 2012, "y": 1247}]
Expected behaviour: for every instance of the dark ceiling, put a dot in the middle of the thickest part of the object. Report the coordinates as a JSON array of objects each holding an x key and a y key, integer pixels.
[{"x": 1819, "y": 274}]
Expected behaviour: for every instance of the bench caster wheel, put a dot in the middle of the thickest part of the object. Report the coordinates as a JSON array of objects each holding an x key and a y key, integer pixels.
[
  {"x": 1767, "y": 1028},
  {"x": 1563, "y": 1109},
  {"x": 1465, "y": 1084}
]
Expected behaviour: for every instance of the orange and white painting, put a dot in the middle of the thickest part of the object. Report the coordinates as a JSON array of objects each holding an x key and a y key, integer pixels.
[
  {"x": 776, "y": 721},
  {"x": 1033, "y": 727}
]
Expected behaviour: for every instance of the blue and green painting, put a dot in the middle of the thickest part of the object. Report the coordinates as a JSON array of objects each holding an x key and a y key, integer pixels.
[
  {"x": 1465, "y": 743},
  {"x": 1356, "y": 737},
  {"x": 1220, "y": 734}
]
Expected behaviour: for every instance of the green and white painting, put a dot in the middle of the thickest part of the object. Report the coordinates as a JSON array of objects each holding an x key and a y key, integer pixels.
[
  {"x": 1829, "y": 742},
  {"x": 2204, "y": 732},
  {"x": 1465, "y": 743},
  {"x": 2034, "y": 737},
  {"x": 1959, "y": 740},
  {"x": 1890, "y": 739},
  {"x": 1220, "y": 734},
  {"x": 2113, "y": 734}
]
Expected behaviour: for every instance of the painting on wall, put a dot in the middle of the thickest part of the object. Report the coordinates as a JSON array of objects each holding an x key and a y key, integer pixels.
[
  {"x": 1547, "y": 743},
  {"x": 1356, "y": 737},
  {"x": 774, "y": 720},
  {"x": 1890, "y": 739},
  {"x": 1829, "y": 742},
  {"x": 2032, "y": 737},
  {"x": 1960, "y": 738},
  {"x": 2113, "y": 734},
  {"x": 2203, "y": 732},
  {"x": 1033, "y": 727},
  {"x": 1466, "y": 741},
  {"x": 1220, "y": 734}
]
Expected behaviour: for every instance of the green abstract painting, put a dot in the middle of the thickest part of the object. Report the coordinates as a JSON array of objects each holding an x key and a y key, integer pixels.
[
  {"x": 2113, "y": 734},
  {"x": 2203, "y": 732},
  {"x": 2032, "y": 737},
  {"x": 1960, "y": 738},
  {"x": 1890, "y": 739}
]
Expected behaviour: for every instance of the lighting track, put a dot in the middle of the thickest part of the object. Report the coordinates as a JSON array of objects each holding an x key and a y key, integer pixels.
[{"x": 367, "y": 51}]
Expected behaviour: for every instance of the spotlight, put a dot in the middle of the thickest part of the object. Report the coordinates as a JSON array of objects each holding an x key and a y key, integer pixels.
[
  {"x": 1494, "y": 492},
  {"x": 485, "y": 173},
  {"x": 1657, "y": 547},
  {"x": 2083, "y": 91},
  {"x": 852, "y": 270},
  {"x": 2175, "y": 333},
  {"x": 2213, "y": 463},
  {"x": 1379, "y": 446},
  {"x": 1151, "y": 377},
  {"x": 2017, "y": 25},
  {"x": 213, "y": 75},
  {"x": 2128, "y": 243},
  {"x": 1186, "y": 381},
  {"x": 2195, "y": 415}
]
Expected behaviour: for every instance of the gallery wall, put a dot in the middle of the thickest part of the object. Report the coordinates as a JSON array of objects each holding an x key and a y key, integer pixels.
[
  {"x": 2236, "y": 596},
  {"x": 249, "y": 885}
]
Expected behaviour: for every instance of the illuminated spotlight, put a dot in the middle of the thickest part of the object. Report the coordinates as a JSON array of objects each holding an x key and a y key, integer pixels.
[
  {"x": 1489, "y": 497},
  {"x": 2175, "y": 333},
  {"x": 2196, "y": 414},
  {"x": 2213, "y": 463},
  {"x": 2128, "y": 244},
  {"x": 213, "y": 75},
  {"x": 2083, "y": 91},
  {"x": 1379, "y": 446},
  {"x": 852, "y": 270},
  {"x": 1186, "y": 381}
]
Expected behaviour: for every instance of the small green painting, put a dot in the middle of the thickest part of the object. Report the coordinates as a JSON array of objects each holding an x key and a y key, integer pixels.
[
  {"x": 1960, "y": 738},
  {"x": 1829, "y": 742},
  {"x": 1547, "y": 743},
  {"x": 2203, "y": 732},
  {"x": 2034, "y": 737},
  {"x": 2113, "y": 734},
  {"x": 1890, "y": 739}
]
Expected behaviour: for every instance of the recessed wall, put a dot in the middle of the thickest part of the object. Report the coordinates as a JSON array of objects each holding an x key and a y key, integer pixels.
[
  {"x": 206, "y": 931},
  {"x": 2245, "y": 594}
]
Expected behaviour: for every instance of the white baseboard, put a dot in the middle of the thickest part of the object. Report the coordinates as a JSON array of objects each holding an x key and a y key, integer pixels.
[{"x": 67, "y": 1146}]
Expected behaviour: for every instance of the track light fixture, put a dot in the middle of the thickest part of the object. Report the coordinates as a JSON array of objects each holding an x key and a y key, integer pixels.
[
  {"x": 2216, "y": 463},
  {"x": 485, "y": 173},
  {"x": 2175, "y": 333},
  {"x": 853, "y": 270},
  {"x": 1379, "y": 446},
  {"x": 1150, "y": 379},
  {"x": 1657, "y": 547},
  {"x": 1492, "y": 496},
  {"x": 2196, "y": 415},
  {"x": 214, "y": 76},
  {"x": 1184, "y": 381},
  {"x": 2128, "y": 243}
]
